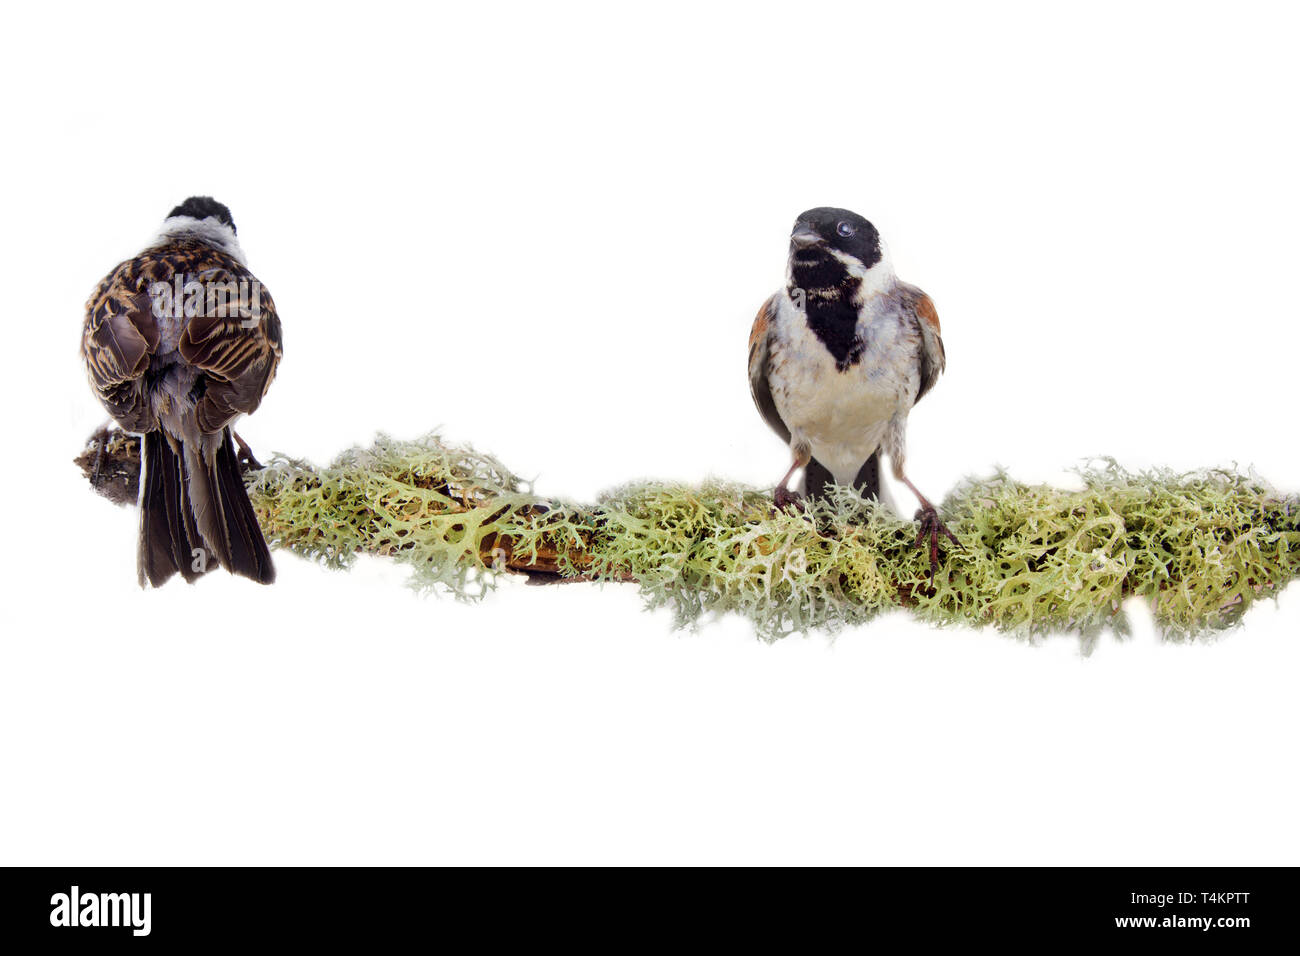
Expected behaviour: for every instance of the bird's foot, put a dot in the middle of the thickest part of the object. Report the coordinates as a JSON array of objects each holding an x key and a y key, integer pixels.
[
  {"x": 784, "y": 497},
  {"x": 930, "y": 527}
]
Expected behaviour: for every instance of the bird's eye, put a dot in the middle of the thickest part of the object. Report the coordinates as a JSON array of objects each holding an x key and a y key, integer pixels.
[{"x": 845, "y": 229}]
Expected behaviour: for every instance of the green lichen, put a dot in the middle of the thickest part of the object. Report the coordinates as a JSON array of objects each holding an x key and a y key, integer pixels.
[{"x": 1200, "y": 548}]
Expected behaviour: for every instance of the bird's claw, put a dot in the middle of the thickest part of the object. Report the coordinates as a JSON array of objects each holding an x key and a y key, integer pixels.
[
  {"x": 784, "y": 497},
  {"x": 931, "y": 527},
  {"x": 245, "y": 455},
  {"x": 248, "y": 461}
]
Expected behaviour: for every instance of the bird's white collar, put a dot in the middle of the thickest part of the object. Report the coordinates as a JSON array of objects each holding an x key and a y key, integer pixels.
[{"x": 208, "y": 230}]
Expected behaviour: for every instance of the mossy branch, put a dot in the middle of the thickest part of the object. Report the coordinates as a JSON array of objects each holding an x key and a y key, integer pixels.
[{"x": 1201, "y": 547}]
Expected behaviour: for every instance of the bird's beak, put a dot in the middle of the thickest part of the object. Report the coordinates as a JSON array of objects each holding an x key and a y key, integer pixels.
[{"x": 803, "y": 237}]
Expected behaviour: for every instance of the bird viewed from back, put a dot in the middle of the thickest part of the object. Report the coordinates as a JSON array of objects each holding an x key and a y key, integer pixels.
[
  {"x": 837, "y": 359},
  {"x": 178, "y": 342}
]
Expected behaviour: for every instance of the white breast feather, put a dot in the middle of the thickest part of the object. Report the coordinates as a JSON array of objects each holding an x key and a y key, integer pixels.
[{"x": 843, "y": 415}]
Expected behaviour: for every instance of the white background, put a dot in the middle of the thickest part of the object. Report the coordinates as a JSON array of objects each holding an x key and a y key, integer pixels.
[{"x": 547, "y": 230}]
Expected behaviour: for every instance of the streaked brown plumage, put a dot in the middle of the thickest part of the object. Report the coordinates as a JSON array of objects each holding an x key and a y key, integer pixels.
[{"x": 181, "y": 381}]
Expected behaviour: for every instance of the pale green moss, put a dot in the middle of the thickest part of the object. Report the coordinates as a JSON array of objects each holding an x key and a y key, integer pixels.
[{"x": 1200, "y": 547}]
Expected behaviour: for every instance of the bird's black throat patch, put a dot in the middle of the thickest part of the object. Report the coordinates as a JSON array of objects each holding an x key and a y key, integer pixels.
[{"x": 828, "y": 292}]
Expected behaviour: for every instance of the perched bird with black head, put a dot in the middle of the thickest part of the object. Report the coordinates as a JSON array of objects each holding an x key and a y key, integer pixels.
[
  {"x": 179, "y": 342},
  {"x": 839, "y": 356}
]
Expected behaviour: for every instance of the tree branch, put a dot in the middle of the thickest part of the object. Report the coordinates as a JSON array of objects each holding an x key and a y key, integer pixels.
[{"x": 1200, "y": 547}]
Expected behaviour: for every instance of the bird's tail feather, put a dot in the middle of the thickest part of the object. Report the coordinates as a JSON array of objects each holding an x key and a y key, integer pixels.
[
  {"x": 169, "y": 540},
  {"x": 817, "y": 481},
  {"x": 190, "y": 509},
  {"x": 248, "y": 553}
]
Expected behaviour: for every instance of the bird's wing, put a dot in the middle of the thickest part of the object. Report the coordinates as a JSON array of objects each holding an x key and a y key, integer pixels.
[
  {"x": 118, "y": 339},
  {"x": 920, "y": 308},
  {"x": 237, "y": 353},
  {"x": 759, "y": 387}
]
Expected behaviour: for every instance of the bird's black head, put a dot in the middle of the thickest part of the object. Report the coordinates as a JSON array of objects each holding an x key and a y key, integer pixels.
[
  {"x": 822, "y": 232},
  {"x": 204, "y": 207}
]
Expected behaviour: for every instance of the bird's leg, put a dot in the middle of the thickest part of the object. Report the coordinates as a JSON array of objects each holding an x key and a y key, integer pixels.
[
  {"x": 783, "y": 495},
  {"x": 930, "y": 527},
  {"x": 101, "y": 445},
  {"x": 246, "y": 453}
]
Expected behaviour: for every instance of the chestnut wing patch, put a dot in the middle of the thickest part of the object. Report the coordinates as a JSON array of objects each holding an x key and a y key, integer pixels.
[
  {"x": 933, "y": 358},
  {"x": 759, "y": 387}
]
